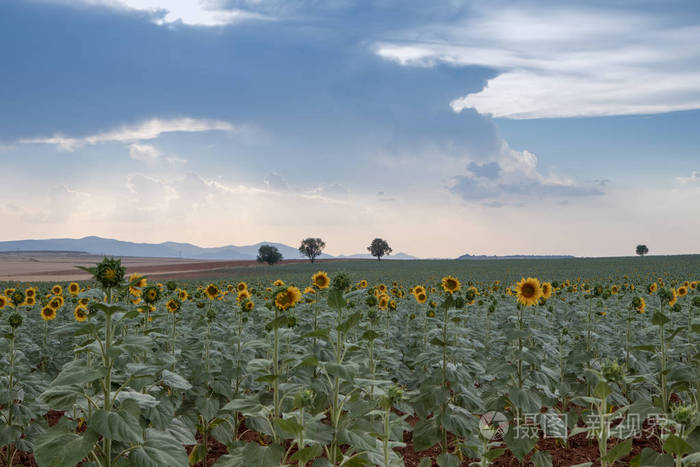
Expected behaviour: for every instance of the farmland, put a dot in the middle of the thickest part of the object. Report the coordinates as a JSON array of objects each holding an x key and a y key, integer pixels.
[{"x": 391, "y": 363}]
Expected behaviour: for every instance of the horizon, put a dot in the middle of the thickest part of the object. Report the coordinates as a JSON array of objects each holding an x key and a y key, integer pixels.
[
  {"x": 331, "y": 255},
  {"x": 445, "y": 128}
]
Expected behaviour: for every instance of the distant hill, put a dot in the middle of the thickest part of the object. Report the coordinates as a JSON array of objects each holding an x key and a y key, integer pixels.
[
  {"x": 110, "y": 247},
  {"x": 481, "y": 257}
]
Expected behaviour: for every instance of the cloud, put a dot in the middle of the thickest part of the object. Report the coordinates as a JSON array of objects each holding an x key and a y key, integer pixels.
[
  {"x": 563, "y": 61},
  {"x": 513, "y": 178},
  {"x": 169, "y": 12},
  {"x": 694, "y": 178},
  {"x": 330, "y": 191},
  {"x": 147, "y": 130},
  {"x": 143, "y": 152},
  {"x": 275, "y": 181},
  {"x": 489, "y": 170}
]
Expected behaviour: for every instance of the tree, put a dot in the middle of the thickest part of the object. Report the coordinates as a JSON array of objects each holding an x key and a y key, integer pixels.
[
  {"x": 642, "y": 250},
  {"x": 379, "y": 248},
  {"x": 312, "y": 247},
  {"x": 269, "y": 254}
]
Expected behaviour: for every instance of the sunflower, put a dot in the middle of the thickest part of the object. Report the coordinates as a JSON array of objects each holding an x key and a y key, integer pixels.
[
  {"x": 212, "y": 291},
  {"x": 694, "y": 284},
  {"x": 80, "y": 314},
  {"x": 110, "y": 272},
  {"x": 17, "y": 297},
  {"x": 309, "y": 290},
  {"x": 321, "y": 280},
  {"x": 243, "y": 295},
  {"x": 674, "y": 297},
  {"x": 278, "y": 283},
  {"x": 56, "y": 302},
  {"x": 8, "y": 291},
  {"x": 138, "y": 281},
  {"x": 418, "y": 289},
  {"x": 362, "y": 284},
  {"x": 48, "y": 313},
  {"x": 4, "y": 301},
  {"x": 451, "y": 284},
  {"x": 421, "y": 297},
  {"x": 29, "y": 301},
  {"x": 383, "y": 302},
  {"x": 173, "y": 305},
  {"x": 136, "y": 301},
  {"x": 57, "y": 290},
  {"x": 30, "y": 292},
  {"x": 528, "y": 291},
  {"x": 242, "y": 286},
  {"x": 546, "y": 290},
  {"x": 248, "y": 305},
  {"x": 652, "y": 287},
  {"x": 182, "y": 295},
  {"x": 682, "y": 291},
  {"x": 640, "y": 305},
  {"x": 381, "y": 288},
  {"x": 287, "y": 298},
  {"x": 73, "y": 289},
  {"x": 614, "y": 289}
]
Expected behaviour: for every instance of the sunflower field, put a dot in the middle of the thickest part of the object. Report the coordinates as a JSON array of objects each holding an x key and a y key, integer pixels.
[{"x": 584, "y": 363}]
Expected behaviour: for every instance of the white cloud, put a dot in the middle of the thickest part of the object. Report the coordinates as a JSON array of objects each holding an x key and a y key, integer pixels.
[
  {"x": 513, "y": 178},
  {"x": 694, "y": 178},
  {"x": 564, "y": 62},
  {"x": 147, "y": 130},
  {"x": 167, "y": 12},
  {"x": 143, "y": 152}
]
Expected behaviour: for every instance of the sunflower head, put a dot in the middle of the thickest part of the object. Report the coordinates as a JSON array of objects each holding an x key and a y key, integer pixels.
[
  {"x": 57, "y": 290},
  {"x": 682, "y": 291},
  {"x": 639, "y": 305},
  {"x": 48, "y": 313},
  {"x": 182, "y": 295},
  {"x": 321, "y": 280},
  {"x": 73, "y": 289},
  {"x": 138, "y": 281},
  {"x": 341, "y": 281},
  {"x": 421, "y": 297},
  {"x": 241, "y": 286},
  {"x": 383, "y": 302},
  {"x": 247, "y": 305},
  {"x": 614, "y": 289},
  {"x": 173, "y": 305},
  {"x": 56, "y": 302},
  {"x": 4, "y": 301},
  {"x": 17, "y": 297},
  {"x": 528, "y": 291},
  {"x": 278, "y": 283},
  {"x": 451, "y": 284},
  {"x": 287, "y": 298},
  {"x": 151, "y": 294},
  {"x": 30, "y": 292},
  {"x": 243, "y": 295},
  {"x": 651, "y": 288},
  {"x": 30, "y": 301},
  {"x": 80, "y": 314},
  {"x": 212, "y": 291},
  {"x": 362, "y": 284},
  {"x": 110, "y": 272}
]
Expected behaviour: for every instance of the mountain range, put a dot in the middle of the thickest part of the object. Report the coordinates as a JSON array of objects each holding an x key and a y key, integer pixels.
[{"x": 110, "y": 247}]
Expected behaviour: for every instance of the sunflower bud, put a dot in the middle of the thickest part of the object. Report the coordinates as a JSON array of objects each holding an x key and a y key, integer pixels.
[{"x": 110, "y": 272}]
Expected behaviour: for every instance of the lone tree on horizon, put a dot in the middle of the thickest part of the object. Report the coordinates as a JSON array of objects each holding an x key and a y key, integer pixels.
[
  {"x": 379, "y": 248},
  {"x": 269, "y": 254},
  {"x": 642, "y": 250},
  {"x": 312, "y": 247}
]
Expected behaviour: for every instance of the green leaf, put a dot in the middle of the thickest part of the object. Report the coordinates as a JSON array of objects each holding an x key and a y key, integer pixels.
[
  {"x": 290, "y": 426},
  {"x": 677, "y": 446},
  {"x": 252, "y": 455},
  {"x": 425, "y": 435},
  {"x": 646, "y": 348},
  {"x": 448, "y": 460},
  {"x": 659, "y": 319},
  {"x": 602, "y": 390},
  {"x": 336, "y": 299},
  {"x": 369, "y": 335},
  {"x": 306, "y": 454},
  {"x": 542, "y": 459},
  {"x": 56, "y": 448},
  {"x": 160, "y": 449},
  {"x": 319, "y": 333},
  {"x": 520, "y": 446},
  {"x": 650, "y": 458},
  {"x": 280, "y": 322},
  {"x": 350, "y": 323},
  {"x": 118, "y": 426},
  {"x": 175, "y": 381},
  {"x": 76, "y": 372},
  {"x": 620, "y": 450}
]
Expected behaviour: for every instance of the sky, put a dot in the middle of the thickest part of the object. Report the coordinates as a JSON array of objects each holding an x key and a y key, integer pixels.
[{"x": 445, "y": 127}]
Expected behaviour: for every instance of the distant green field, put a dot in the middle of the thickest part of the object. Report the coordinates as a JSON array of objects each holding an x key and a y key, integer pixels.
[{"x": 477, "y": 270}]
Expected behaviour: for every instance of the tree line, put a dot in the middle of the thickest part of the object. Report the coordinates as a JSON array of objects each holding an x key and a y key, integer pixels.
[{"x": 312, "y": 248}]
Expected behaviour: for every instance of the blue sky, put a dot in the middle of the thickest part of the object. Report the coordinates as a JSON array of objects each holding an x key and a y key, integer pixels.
[{"x": 445, "y": 127}]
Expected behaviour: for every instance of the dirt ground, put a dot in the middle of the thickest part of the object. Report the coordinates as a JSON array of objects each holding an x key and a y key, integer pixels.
[{"x": 61, "y": 266}]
